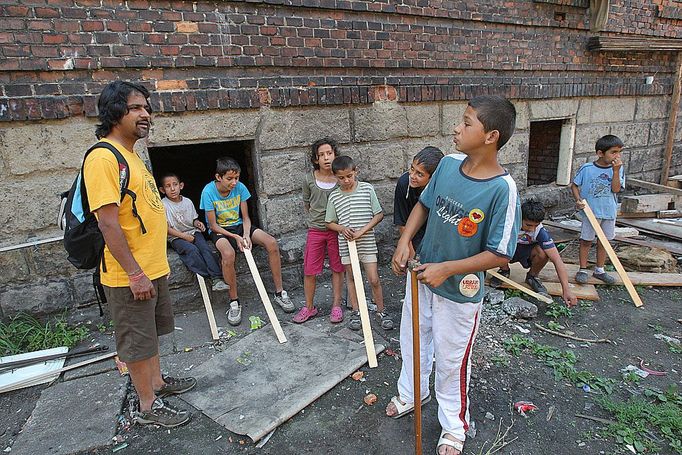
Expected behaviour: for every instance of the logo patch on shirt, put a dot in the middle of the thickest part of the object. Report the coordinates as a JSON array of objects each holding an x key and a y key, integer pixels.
[
  {"x": 476, "y": 215},
  {"x": 470, "y": 285},
  {"x": 467, "y": 228}
]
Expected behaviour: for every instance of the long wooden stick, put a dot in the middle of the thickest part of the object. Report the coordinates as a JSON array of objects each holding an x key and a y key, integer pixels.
[
  {"x": 535, "y": 295},
  {"x": 362, "y": 304},
  {"x": 416, "y": 364},
  {"x": 672, "y": 121},
  {"x": 612, "y": 255},
  {"x": 48, "y": 374},
  {"x": 264, "y": 296},
  {"x": 570, "y": 337},
  {"x": 209, "y": 308}
]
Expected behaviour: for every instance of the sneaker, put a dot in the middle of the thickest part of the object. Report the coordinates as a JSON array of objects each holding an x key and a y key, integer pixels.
[
  {"x": 386, "y": 321},
  {"x": 175, "y": 386},
  {"x": 219, "y": 285},
  {"x": 605, "y": 277},
  {"x": 336, "y": 315},
  {"x": 536, "y": 284},
  {"x": 304, "y": 314},
  {"x": 234, "y": 314},
  {"x": 496, "y": 282},
  {"x": 581, "y": 277},
  {"x": 285, "y": 302},
  {"x": 355, "y": 323},
  {"x": 162, "y": 414}
]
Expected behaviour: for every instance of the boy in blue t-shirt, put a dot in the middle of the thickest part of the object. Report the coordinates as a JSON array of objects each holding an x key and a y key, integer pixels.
[
  {"x": 534, "y": 248},
  {"x": 598, "y": 183},
  {"x": 473, "y": 213},
  {"x": 227, "y": 217}
]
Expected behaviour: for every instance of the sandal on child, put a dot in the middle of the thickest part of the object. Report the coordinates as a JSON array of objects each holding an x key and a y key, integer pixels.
[
  {"x": 443, "y": 441},
  {"x": 406, "y": 408},
  {"x": 336, "y": 315},
  {"x": 304, "y": 314},
  {"x": 386, "y": 321}
]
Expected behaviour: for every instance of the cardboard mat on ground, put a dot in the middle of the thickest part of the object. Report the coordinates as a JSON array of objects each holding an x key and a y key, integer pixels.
[{"x": 257, "y": 384}]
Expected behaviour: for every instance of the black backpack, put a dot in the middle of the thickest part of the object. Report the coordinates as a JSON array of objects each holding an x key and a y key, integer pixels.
[{"x": 83, "y": 240}]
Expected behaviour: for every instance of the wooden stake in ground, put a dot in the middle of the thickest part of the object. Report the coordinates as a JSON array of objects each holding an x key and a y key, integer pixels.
[
  {"x": 612, "y": 255},
  {"x": 264, "y": 296},
  {"x": 209, "y": 308},
  {"x": 416, "y": 364},
  {"x": 362, "y": 304},
  {"x": 514, "y": 284}
]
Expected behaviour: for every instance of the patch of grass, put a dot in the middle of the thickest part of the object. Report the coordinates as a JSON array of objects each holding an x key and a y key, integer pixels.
[
  {"x": 553, "y": 325},
  {"x": 501, "y": 361},
  {"x": 585, "y": 303},
  {"x": 556, "y": 310},
  {"x": 24, "y": 333},
  {"x": 674, "y": 348},
  {"x": 509, "y": 293},
  {"x": 562, "y": 362},
  {"x": 635, "y": 418}
]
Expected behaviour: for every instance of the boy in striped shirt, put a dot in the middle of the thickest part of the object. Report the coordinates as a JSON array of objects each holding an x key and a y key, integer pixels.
[{"x": 353, "y": 210}]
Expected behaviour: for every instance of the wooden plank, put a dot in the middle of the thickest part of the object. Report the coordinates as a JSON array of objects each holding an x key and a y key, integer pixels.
[
  {"x": 647, "y": 203},
  {"x": 416, "y": 364},
  {"x": 264, "y": 296},
  {"x": 657, "y": 228},
  {"x": 209, "y": 308},
  {"x": 612, "y": 255},
  {"x": 515, "y": 285},
  {"x": 651, "y": 244},
  {"x": 551, "y": 282},
  {"x": 653, "y": 186},
  {"x": 672, "y": 121},
  {"x": 548, "y": 274},
  {"x": 362, "y": 304}
]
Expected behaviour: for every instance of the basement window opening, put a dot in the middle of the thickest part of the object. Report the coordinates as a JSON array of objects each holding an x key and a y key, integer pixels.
[
  {"x": 550, "y": 151},
  {"x": 195, "y": 165}
]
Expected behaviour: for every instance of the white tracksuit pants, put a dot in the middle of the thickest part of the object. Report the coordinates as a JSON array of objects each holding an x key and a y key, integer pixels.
[{"x": 448, "y": 328}]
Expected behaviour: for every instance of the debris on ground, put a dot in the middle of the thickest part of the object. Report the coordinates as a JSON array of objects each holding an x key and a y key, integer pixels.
[
  {"x": 358, "y": 375},
  {"x": 522, "y": 407},
  {"x": 519, "y": 308},
  {"x": 370, "y": 399}
]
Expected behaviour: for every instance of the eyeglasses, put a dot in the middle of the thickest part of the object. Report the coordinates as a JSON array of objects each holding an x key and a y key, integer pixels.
[{"x": 137, "y": 107}]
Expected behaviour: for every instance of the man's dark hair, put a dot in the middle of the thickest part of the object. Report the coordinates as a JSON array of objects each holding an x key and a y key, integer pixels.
[
  {"x": 226, "y": 164},
  {"x": 495, "y": 113},
  {"x": 533, "y": 211},
  {"x": 429, "y": 157},
  {"x": 606, "y": 142},
  {"x": 112, "y": 105},
  {"x": 341, "y": 163},
  {"x": 319, "y": 143}
]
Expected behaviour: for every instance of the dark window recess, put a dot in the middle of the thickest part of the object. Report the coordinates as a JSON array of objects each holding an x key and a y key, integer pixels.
[
  {"x": 543, "y": 153},
  {"x": 195, "y": 165}
]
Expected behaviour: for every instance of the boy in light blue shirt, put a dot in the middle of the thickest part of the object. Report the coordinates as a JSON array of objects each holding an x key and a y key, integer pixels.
[{"x": 598, "y": 183}]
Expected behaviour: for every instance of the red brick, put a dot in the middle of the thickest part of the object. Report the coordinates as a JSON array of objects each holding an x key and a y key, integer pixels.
[
  {"x": 46, "y": 12},
  {"x": 92, "y": 26}
]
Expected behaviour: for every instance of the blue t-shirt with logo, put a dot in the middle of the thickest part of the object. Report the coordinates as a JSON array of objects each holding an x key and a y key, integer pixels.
[
  {"x": 226, "y": 208},
  {"x": 466, "y": 217},
  {"x": 595, "y": 187}
]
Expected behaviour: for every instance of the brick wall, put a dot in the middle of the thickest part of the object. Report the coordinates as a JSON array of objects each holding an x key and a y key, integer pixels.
[{"x": 543, "y": 151}]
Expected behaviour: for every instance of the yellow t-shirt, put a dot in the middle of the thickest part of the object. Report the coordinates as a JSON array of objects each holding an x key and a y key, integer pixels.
[{"x": 101, "y": 175}]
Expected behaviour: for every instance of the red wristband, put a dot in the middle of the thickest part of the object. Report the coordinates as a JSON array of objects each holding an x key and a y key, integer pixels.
[{"x": 136, "y": 277}]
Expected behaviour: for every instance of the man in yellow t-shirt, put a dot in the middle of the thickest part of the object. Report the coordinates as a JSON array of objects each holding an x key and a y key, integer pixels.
[{"x": 134, "y": 270}]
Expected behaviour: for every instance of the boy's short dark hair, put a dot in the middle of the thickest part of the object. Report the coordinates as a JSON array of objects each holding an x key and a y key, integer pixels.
[
  {"x": 533, "y": 211},
  {"x": 342, "y": 163},
  {"x": 606, "y": 142},
  {"x": 495, "y": 113},
  {"x": 226, "y": 164},
  {"x": 319, "y": 143},
  {"x": 169, "y": 175},
  {"x": 429, "y": 157},
  {"x": 112, "y": 104}
]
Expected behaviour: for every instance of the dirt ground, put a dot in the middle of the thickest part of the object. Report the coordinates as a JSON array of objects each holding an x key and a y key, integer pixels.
[{"x": 339, "y": 422}]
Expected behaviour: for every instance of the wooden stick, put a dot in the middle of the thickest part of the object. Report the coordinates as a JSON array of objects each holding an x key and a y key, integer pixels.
[
  {"x": 362, "y": 304},
  {"x": 612, "y": 255},
  {"x": 672, "y": 121},
  {"x": 264, "y": 296},
  {"x": 38, "y": 377},
  {"x": 654, "y": 187},
  {"x": 535, "y": 295},
  {"x": 416, "y": 364},
  {"x": 209, "y": 308},
  {"x": 571, "y": 337}
]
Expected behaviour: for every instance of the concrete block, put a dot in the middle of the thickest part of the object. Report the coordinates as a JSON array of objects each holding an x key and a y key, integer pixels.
[
  {"x": 522, "y": 115},
  {"x": 586, "y": 136},
  {"x": 613, "y": 109},
  {"x": 204, "y": 126},
  {"x": 36, "y": 298},
  {"x": 14, "y": 266},
  {"x": 653, "y": 107},
  {"x": 379, "y": 122},
  {"x": 422, "y": 120},
  {"x": 632, "y": 134},
  {"x": 284, "y": 173},
  {"x": 283, "y": 214},
  {"x": 584, "y": 114},
  {"x": 451, "y": 116},
  {"x": 50, "y": 260},
  {"x": 285, "y": 128},
  {"x": 553, "y": 108},
  {"x": 48, "y": 146},
  {"x": 657, "y": 133},
  {"x": 520, "y": 308},
  {"x": 379, "y": 160},
  {"x": 516, "y": 150}
]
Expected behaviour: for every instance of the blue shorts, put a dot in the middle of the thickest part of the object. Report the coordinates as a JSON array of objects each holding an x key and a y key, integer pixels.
[{"x": 522, "y": 255}]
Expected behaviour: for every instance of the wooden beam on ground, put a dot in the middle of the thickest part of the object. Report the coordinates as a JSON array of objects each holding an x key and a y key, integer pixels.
[
  {"x": 653, "y": 186},
  {"x": 362, "y": 304},
  {"x": 648, "y": 202},
  {"x": 654, "y": 227},
  {"x": 548, "y": 275},
  {"x": 612, "y": 255},
  {"x": 515, "y": 285},
  {"x": 209, "y": 308},
  {"x": 672, "y": 120},
  {"x": 264, "y": 296},
  {"x": 551, "y": 282}
]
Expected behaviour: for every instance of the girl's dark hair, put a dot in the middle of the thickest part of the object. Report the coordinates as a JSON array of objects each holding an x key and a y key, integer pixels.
[
  {"x": 112, "y": 105},
  {"x": 319, "y": 143},
  {"x": 429, "y": 157},
  {"x": 226, "y": 164},
  {"x": 533, "y": 211}
]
